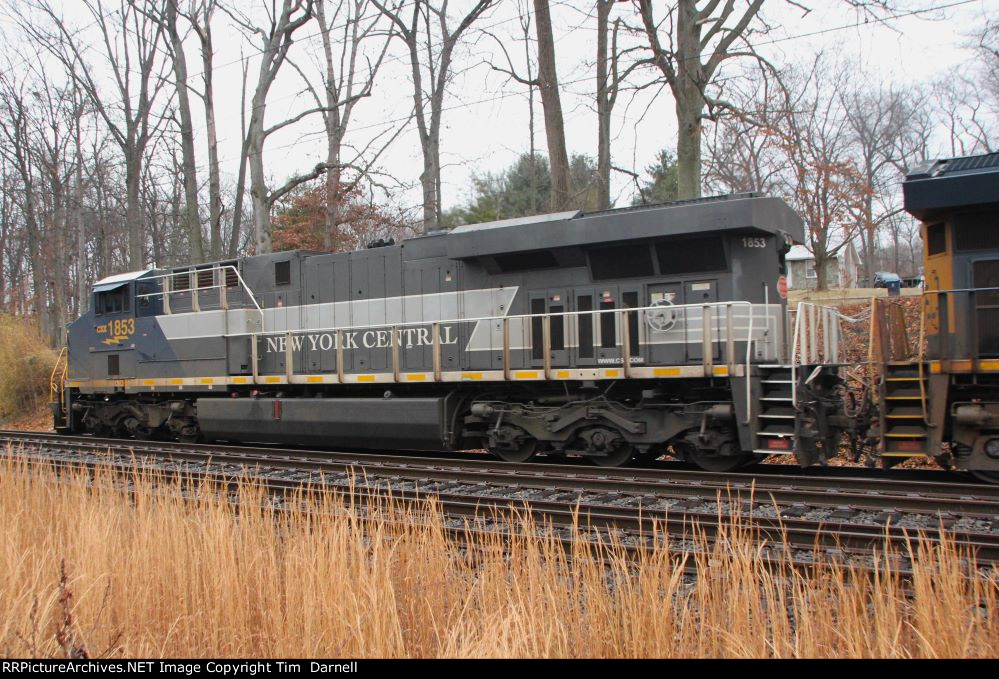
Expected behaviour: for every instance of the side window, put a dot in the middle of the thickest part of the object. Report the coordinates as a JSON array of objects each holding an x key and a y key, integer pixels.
[
  {"x": 147, "y": 297},
  {"x": 936, "y": 239},
  {"x": 114, "y": 301},
  {"x": 282, "y": 273}
]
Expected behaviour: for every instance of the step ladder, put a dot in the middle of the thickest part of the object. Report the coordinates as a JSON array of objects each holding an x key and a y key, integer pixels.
[
  {"x": 904, "y": 430},
  {"x": 776, "y": 433}
]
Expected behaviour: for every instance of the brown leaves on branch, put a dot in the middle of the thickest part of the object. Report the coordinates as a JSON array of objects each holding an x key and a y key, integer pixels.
[{"x": 300, "y": 221}]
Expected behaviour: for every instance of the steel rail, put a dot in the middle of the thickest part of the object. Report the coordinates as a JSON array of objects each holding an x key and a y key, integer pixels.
[{"x": 942, "y": 500}]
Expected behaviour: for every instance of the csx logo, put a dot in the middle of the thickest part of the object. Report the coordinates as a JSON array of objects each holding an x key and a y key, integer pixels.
[{"x": 117, "y": 331}]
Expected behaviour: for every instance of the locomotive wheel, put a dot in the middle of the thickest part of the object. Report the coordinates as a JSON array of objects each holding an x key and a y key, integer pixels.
[
  {"x": 753, "y": 459},
  {"x": 522, "y": 453},
  {"x": 616, "y": 458},
  {"x": 987, "y": 477},
  {"x": 719, "y": 463},
  {"x": 714, "y": 463}
]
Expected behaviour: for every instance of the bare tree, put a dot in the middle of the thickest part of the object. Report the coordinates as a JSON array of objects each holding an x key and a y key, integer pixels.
[
  {"x": 692, "y": 33},
  {"x": 419, "y": 33},
  {"x": 968, "y": 99},
  {"x": 200, "y": 17},
  {"x": 551, "y": 103},
  {"x": 130, "y": 36},
  {"x": 190, "y": 175},
  {"x": 276, "y": 40},
  {"x": 880, "y": 120},
  {"x": 610, "y": 77},
  {"x": 698, "y": 40},
  {"x": 530, "y": 81},
  {"x": 344, "y": 85},
  {"x": 823, "y": 180},
  {"x": 15, "y": 126}
]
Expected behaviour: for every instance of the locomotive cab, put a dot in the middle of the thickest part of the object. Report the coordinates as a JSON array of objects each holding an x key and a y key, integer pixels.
[{"x": 957, "y": 201}]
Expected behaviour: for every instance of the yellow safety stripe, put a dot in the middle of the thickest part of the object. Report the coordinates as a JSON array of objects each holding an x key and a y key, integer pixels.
[{"x": 556, "y": 374}]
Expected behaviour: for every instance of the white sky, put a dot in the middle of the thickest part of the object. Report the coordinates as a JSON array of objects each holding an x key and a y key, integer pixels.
[{"x": 485, "y": 126}]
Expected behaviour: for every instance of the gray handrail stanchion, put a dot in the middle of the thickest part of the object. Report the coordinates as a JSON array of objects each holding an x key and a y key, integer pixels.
[
  {"x": 622, "y": 317},
  {"x": 506, "y": 348},
  {"x": 437, "y": 351},
  {"x": 707, "y": 352},
  {"x": 339, "y": 357}
]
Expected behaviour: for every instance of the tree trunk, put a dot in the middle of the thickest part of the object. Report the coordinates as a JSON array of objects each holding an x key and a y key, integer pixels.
[
  {"x": 603, "y": 107},
  {"x": 331, "y": 120},
  {"x": 689, "y": 95},
  {"x": 192, "y": 217},
  {"x": 821, "y": 265},
  {"x": 211, "y": 130},
  {"x": 558, "y": 157},
  {"x": 428, "y": 180},
  {"x": 688, "y": 148},
  {"x": 258, "y": 179},
  {"x": 133, "y": 211}
]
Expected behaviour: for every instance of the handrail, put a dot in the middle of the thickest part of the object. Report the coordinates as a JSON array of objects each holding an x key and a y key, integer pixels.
[
  {"x": 197, "y": 288},
  {"x": 56, "y": 386},
  {"x": 473, "y": 319},
  {"x": 828, "y": 318},
  {"x": 749, "y": 356},
  {"x": 944, "y": 312},
  {"x": 623, "y": 338},
  {"x": 794, "y": 356},
  {"x": 920, "y": 356}
]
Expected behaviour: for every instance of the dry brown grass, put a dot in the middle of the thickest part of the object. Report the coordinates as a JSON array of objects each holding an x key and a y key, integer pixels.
[
  {"x": 153, "y": 574},
  {"x": 26, "y": 364}
]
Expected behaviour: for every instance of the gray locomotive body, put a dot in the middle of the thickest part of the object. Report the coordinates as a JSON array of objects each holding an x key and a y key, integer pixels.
[{"x": 606, "y": 335}]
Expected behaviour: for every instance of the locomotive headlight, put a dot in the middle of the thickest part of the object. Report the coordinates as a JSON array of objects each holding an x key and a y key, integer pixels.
[{"x": 992, "y": 448}]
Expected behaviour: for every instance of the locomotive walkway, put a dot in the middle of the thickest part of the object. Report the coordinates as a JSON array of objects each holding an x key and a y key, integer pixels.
[{"x": 841, "y": 515}]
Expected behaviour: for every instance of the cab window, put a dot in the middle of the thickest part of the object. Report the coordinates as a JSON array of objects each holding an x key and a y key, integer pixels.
[{"x": 114, "y": 301}]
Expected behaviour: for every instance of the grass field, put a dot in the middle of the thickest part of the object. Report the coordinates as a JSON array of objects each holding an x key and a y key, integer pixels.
[
  {"x": 27, "y": 362},
  {"x": 91, "y": 570}
]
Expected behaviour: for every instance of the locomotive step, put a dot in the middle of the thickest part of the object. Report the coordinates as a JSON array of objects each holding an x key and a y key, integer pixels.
[
  {"x": 768, "y": 451},
  {"x": 906, "y": 431},
  {"x": 896, "y": 389},
  {"x": 775, "y": 416},
  {"x": 904, "y": 413}
]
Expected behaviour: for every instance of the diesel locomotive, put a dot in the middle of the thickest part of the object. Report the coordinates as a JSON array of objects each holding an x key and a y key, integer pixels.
[
  {"x": 613, "y": 336},
  {"x": 609, "y": 335},
  {"x": 942, "y": 400}
]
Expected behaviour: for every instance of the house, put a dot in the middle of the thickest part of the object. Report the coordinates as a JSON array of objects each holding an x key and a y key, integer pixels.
[{"x": 842, "y": 270}]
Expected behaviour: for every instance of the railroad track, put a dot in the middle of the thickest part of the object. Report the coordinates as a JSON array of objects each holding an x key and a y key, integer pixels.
[{"x": 842, "y": 516}]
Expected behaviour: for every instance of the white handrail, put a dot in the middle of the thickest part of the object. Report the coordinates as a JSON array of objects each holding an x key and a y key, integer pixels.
[
  {"x": 198, "y": 288},
  {"x": 825, "y": 317},
  {"x": 472, "y": 319},
  {"x": 748, "y": 337}
]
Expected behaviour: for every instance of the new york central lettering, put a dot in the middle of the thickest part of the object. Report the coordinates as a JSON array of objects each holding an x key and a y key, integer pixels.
[{"x": 406, "y": 338}]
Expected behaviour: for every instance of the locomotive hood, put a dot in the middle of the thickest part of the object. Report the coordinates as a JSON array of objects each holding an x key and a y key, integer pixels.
[
  {"x": 942, "y": 185},
  {"x": 742, "y": 212}
]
